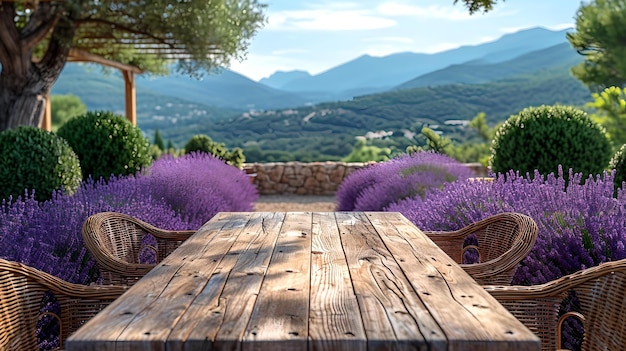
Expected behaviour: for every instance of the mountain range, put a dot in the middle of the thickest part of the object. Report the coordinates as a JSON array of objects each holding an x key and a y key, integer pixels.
[
  {"x": 374, "y": 74},
  {"x": 361, "y": 76},
  {"x": 308, "y": 113}
]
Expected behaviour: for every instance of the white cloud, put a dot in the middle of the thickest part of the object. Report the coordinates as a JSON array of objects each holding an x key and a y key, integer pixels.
[
  {"x": 438, "y": 47},
  {"x": 258, "y": 66},
  {"x": 329, "y": 19},
  {"x": 562, "y": 26},
  {"x": 396, "y": 9}
]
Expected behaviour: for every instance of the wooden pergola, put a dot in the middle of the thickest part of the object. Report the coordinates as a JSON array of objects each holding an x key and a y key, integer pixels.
[
  {"x": 128, "y": 72},
  {"x": 168, "y": 48}
]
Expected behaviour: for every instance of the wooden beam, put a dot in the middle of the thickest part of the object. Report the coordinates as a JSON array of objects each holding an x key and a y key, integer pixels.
[
  {"x": 46, "y": 120},
  {"x": 128, "y": 72},
  {"x": 130, "y": 96},
  {"x": 84, "y": 56}
]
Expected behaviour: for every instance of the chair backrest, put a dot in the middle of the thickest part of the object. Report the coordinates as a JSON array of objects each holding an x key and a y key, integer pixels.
[
  {"x": 601, "y": 298},
  {"x": 22, "y": 295},
  {"x": 603, "y": 304},
  {"x": 501, "y": 241},
  {"x": 117, "y": 234},
  {"x": 116, "y": 241}
]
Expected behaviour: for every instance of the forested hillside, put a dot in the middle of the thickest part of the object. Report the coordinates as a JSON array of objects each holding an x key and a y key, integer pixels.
[{"x": 328, "y": 131}]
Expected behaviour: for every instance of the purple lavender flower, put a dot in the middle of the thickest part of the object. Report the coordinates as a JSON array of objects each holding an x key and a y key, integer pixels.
[
  {"x": 375, "y": 187},
  {"x": 198, "y": 185},
  {"x": 580, "y": 226}
]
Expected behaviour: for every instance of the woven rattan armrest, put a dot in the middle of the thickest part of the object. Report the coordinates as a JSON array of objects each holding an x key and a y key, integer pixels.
[
  {"x": 600, "y": 293},
  {"x": 25, "y": 288}
]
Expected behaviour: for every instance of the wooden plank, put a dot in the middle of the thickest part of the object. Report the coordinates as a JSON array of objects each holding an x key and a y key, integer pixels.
[
  {"x": 279, "y": 320},
  {"x": 333, "y": 323},
  {"x": 126, "y": 323},
  {"x": 393, "y": 315},
  {"x": 226, "y": 302},
  {"x": 470, "y": 317}
]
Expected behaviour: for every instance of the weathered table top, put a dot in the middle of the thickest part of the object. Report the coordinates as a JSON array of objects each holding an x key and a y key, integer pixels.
[{"x": 298, "y": 280}]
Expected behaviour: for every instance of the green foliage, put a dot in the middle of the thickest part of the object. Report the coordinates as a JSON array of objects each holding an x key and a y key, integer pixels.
[
  {"x": 205, "y": 144},
  {"x": 282, "y": 134},
  {"x": 363, "y": 152},
  {"x": 545, "y": 137},
  {"x": 106, "y": 144},
  {"x": 476, "y": 5},
  {"x": 471, "y": 152},
  {"x": 466, "y": 152},
  {"x": 436, "y": 142},
  {"x": 600, "y": 37},
  {"x": 208, "y": 34},
  {"x": 158, "y": 140},
  {"x": 65, "y": 107},
  {"x": 479, "y": 124},
  {"x": 618, "y": 163},
  {"x": 476, "y": 151},
  {"x": 38, "y": 160},
  {"x": 610, "y": 105},
  {"x": 200, "y": 36},
  {"x": 156, "y": 153}
]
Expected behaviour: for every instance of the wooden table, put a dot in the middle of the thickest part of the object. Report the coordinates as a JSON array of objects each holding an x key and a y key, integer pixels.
[{"x": 298, "y": 280}]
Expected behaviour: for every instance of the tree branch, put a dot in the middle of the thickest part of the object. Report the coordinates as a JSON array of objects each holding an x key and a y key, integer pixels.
[
  {"x": 9, "y": 36},
  {"x": 58, "y": 49},
  {"x": 40, "y": 24}
]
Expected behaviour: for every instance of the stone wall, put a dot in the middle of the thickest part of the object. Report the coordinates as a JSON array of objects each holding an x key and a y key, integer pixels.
[{"x": 314, "y": 178}]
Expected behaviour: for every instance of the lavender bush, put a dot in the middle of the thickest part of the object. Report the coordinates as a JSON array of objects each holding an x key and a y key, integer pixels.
[
  {"x": 174, "y": 194},
  {"x": 375, "y": 187},
  {"x": 47, "y": 235},
  {"x": 580, "y": 226},
  {"x": 199, "y": 185}
]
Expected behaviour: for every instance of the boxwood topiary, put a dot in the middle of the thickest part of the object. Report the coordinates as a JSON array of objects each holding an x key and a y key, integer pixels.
[
  {"x": 203, "y": 143},
  {"x": 106, "y": 144},
  {"x": 542, "y": 138},
  {"x": 38, "y": 160}
]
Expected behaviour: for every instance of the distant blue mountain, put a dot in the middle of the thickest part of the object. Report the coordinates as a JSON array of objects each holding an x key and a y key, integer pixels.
[
  {"x": 224, "y": 89},
  {"x": 482, "y": 71},
  {"x": 279, "y": 79},
  {"x": 515, "y": 53},
  {"x": 372, "y": 74}
]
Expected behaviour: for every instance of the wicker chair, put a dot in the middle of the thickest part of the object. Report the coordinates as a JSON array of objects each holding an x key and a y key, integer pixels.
[
  {"x": 117, "y": 241},
  {"x": 504, "y": 240},
  {"x": 600, "y": 292},
  {"x": 22, "y": 291}
]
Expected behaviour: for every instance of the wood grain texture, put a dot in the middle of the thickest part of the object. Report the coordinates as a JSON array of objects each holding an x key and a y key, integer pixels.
[
  {"x": 333, "y": 323},
  {"x": 305, "y": 280}
]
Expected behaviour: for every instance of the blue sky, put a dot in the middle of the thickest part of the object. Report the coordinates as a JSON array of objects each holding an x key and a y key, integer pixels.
[{"x": 316, "y": 35}]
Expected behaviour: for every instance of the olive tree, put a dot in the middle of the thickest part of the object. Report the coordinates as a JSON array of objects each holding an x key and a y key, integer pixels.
[
  {"x": 36, "y": 38},
  {"x": 601, "y": 38}
]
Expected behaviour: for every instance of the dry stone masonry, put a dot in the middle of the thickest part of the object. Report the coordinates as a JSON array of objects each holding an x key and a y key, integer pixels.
[{"x": 304, "y": 178}]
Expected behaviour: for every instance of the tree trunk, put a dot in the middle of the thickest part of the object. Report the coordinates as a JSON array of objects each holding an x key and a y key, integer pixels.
[
  {"x": 24, "y": 80},
  {"x": 24, "y": 104}
]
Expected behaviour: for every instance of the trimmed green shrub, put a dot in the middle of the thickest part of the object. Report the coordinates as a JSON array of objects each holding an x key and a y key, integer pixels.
[
  {"x": 203, "y": 143},
  {"x": 106, "y": 144},
  {"x": 38, "y": 160},
  {"x": 618, "y": 163},
  {"x": 542, "y": 138}
]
